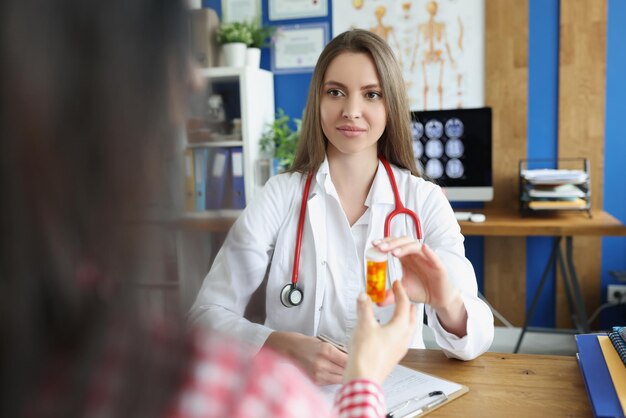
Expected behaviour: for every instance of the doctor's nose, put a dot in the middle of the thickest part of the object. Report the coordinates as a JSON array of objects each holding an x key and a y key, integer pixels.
[{"x": 351, "y": 110}]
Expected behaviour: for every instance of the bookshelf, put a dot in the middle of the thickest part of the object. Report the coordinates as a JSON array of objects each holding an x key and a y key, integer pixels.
[{"x": 247, "y": 96}]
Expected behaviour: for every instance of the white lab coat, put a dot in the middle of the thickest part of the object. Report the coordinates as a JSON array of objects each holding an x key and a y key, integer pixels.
[{"x": 266, "y": 231}]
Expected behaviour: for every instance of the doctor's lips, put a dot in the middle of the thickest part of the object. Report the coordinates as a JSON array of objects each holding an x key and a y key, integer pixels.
[{"x": 349, "y": 130}]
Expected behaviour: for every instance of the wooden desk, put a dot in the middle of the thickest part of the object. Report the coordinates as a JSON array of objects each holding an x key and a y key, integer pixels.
[
  {"x": 564, "y": 224},
  {"x": 503, "y": 222},
  {"x": 508, "y": 385}
]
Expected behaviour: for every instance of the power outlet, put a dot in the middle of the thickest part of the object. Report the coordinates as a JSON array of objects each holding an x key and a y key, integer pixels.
[{"x": 612, "y": 293}]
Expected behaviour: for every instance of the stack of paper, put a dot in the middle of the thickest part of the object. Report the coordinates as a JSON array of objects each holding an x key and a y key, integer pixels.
[
  {"x": 550, "y": 189},
  {"x": 563, "y": 191},
  {"x": 558, "y": 204},
  {"x": 554, "y": 176},
  {"x": 604, "y": 374}
]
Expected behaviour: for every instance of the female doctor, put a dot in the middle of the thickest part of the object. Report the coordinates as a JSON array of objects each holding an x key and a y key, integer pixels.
[{"x": 339, "y": 190}]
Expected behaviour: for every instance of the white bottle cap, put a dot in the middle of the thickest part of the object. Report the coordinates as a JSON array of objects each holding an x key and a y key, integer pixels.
[{"x": 372, "y": 254}]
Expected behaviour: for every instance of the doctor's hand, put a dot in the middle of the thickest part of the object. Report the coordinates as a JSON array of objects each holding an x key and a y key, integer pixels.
[
  {"x": 425, "y": 279},
  {"x": 375, "y": 350},
  {"x": 323, "y": 362}
]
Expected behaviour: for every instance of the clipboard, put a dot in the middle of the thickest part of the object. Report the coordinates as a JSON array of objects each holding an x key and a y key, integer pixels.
[
  {"x": 411, "y": 387},
  {"x": 411, "y": 393}
]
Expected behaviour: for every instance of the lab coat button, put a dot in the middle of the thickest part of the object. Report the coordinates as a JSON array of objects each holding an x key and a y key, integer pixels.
[{"x": 323, "y": 262}]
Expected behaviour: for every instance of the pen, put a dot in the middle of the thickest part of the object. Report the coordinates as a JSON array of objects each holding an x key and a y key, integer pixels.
[
  {"x": 442, "y": 398},
  {"x": 332, "y": 342}
]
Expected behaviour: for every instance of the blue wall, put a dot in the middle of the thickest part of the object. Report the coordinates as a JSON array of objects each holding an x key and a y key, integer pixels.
[
  {"x": 614, "y": 249},
  {"x": 543, "y": 83},
  {"x": 291, "y": 91}
]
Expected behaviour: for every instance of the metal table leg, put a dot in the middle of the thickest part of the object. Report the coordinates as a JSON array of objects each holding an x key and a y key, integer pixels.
[
  {"x": 551, "y": 262},
  {"x": 568, "y": 288},
  {"x": 573, "y": 293},
  {"x": 582, "y": 323}
]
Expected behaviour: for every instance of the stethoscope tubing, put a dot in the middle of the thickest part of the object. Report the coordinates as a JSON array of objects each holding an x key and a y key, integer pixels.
[
  {"x": 398, "y": 209},
  {"x": 296, "y": 255}
]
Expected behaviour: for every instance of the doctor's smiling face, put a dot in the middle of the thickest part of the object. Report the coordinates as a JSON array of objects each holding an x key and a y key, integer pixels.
[
  {"x": 357, "y": 102},
  {"x": 352, "y": 107}
]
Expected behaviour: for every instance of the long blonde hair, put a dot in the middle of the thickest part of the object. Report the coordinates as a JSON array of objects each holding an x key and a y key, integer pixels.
[{"x": 395, "y": 142}]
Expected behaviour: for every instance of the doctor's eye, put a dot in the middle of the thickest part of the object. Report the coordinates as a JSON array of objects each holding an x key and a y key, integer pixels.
[
  {"x": 373, "y": 95},
  {"x": 334, "y": 92}
]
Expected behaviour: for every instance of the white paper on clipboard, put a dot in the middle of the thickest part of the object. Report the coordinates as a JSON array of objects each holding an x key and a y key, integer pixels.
[{"x": 405, "y": 384}]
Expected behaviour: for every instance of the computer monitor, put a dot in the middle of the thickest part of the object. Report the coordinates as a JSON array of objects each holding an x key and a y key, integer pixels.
[{"x": 452, "y": 148}]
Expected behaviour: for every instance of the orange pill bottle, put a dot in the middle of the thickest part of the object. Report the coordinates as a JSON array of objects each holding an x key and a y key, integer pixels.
[{"x": 376, "y": 274}]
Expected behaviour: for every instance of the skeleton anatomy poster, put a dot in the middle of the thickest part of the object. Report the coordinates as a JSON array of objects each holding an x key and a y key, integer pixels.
[{"x": 440, "y": 45}]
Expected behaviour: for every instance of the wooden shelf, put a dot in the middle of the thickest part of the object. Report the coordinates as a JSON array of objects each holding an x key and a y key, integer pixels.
[
  {"x": 214, "y": 144},
  {"x": 211, "y": 221}
]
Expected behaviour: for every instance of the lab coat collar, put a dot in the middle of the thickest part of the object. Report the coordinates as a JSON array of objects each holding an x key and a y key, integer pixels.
[
  {"x": 321, "y": 177},
  {"x": 381, "y": 191}
]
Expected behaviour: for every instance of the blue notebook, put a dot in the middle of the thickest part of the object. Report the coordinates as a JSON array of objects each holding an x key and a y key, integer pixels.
[{"x": 602, "y": 395}]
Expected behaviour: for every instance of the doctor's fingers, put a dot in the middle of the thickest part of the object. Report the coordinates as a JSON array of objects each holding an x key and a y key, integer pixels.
[
  {"x": 326, "y": 373},
  {"x": 331, "y": 355},
  {"x": 390, "y": 243},
  {"x": 323, "y": 378},
  {"x": 418, "y": 255}
]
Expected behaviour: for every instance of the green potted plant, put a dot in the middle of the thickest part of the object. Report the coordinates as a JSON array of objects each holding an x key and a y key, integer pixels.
[
  {"x": 279, "y": 142},
  {"x": 261, "y": 37},
  {"x": 234, "y": 38}
]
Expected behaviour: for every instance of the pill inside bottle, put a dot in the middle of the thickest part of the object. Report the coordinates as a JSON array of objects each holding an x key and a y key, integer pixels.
[{"x": 376, "y": 274}]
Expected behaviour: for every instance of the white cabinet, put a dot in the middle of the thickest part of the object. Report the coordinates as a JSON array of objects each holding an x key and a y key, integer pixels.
[{"x": 248, "y": 95}]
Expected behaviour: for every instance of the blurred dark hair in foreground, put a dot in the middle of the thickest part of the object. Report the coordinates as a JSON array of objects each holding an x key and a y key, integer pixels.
[{"x": 91, "y": 94}]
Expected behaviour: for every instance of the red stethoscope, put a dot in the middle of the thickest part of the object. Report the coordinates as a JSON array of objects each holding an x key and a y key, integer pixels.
[{"x": 291, "y": 295}]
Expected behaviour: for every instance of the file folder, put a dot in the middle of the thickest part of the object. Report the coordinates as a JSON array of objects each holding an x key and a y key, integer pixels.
[
  {"x": 617, "y": 371},
  {"x": 602, "y": 395},
  {"x": 190, "y": 182},
  {"x": 200, "y": 159},
  {"x": 216, "y": 180},
  {"x": 238, "y": 195}
]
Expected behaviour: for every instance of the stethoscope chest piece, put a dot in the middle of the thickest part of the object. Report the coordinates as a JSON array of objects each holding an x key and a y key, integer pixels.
[{"x": 291, "y": 295}]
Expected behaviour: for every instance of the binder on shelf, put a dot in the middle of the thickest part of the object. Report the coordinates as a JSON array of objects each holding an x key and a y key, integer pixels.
[
  {"x": 200, "y": 160},
  {"x": 217, "y": 177},
  {"x": 190, "y": 182},
  {"x": 600, "y": 390},
  {"x": 238, "y": 195}
]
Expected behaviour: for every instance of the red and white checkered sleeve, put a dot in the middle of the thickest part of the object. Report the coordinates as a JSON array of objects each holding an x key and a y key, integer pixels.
[
  {"x": 360, "y": 398},
  {"x": 225, "y": 380}
]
